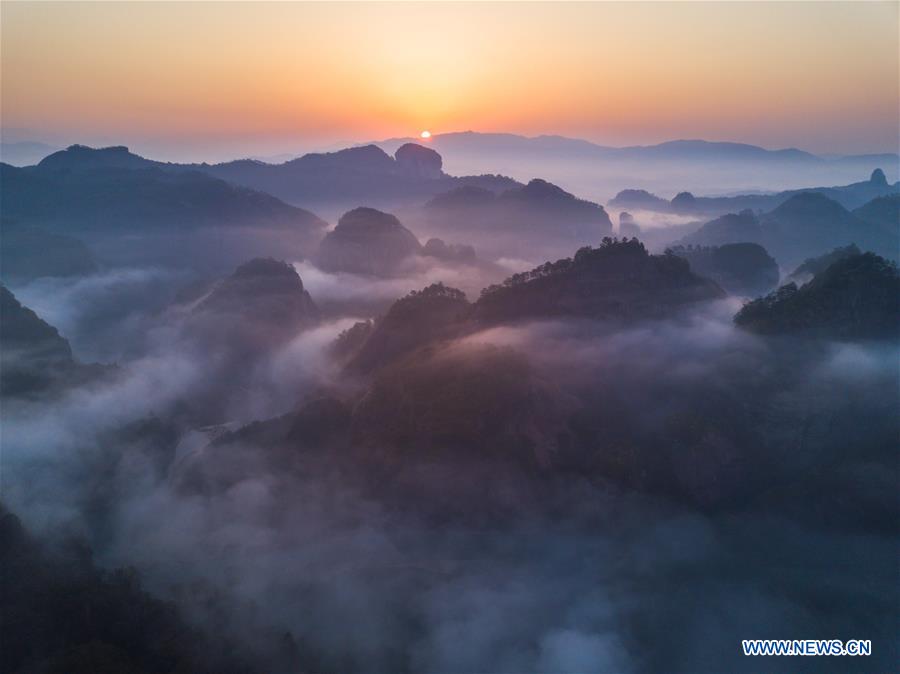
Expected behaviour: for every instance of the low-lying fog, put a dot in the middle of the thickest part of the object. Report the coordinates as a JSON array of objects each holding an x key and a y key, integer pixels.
[{"x": 307, "y": 569}]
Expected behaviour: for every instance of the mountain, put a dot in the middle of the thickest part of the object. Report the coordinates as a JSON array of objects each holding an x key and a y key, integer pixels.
[
  {"x": 422, "y": 317},
  {"x": 373, "y": 243},
  {"x": 474, "y": 404},
  {"x": 113, "y": 188},
  {"x": 518, "y": 220},
  {"x": 730, "y": 228},
  {"x": 364, "y": 174},
  {"x": 452, "y": 252},
  {"x": 110, "y": 198},
  {"x": 850, "y": 196},
  {"x": 319, "y": 429},
  {"x": 367, "y": 241},
  {"x": 264, "y": 298},
  {"x": 27, "y": 253},
  {"x": 806, "y": 224},
  {"x": 856, "y": 297},
  {"x": 853, "y": 195},
  {"x": 640, "y": 200},
  {"x": 34, "y": 357},
  {"x": 550, "y": 146},
  {"x": 816, "y": 265},
  {"x": 707, "y": 150},
  {"x": 540, "y": 199},
  {"x": 598, "y": 172},
  {"x": 471, "y": 142},
  {"x": 23, "y": 332},
  {"x": 883, "y": 211},
  {"x": 810, "y": 222},
  {"x": 419, "y": 161},
  {"x": 72, "y": 615},
  {"x": 617, "y": 280},
  {"x": 82, "y": 157},
  {"x": 686, "y": 203},
  {"x": 740, "y": 268}
]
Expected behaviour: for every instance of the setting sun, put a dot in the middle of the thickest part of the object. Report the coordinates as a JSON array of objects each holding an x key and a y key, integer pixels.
[{"x": 425, "y": 134}]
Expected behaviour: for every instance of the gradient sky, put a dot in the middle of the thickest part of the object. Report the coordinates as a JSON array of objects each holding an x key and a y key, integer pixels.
[{"x": 215, "y": 79}]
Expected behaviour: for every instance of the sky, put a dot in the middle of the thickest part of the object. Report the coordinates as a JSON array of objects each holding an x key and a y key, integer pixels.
[{"x": 219, "y": 79}]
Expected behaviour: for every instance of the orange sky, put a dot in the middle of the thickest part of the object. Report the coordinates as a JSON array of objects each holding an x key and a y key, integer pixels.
[{"x": 221, "y": 77}]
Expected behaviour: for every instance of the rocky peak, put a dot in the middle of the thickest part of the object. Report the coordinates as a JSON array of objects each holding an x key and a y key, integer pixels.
[
  {"x": 367, "y": 241},
  {"x": 419, "y": 161},
  {"x": 542, "y": 190},
  {"x": 84, "y": 157},
  {"x": 684, "y": 201},
  {"x": 265, "y": 290}
]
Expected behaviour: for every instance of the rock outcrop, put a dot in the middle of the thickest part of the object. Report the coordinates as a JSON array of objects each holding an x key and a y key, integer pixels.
[
  {"x": 367, "y": 241},
  {"x": 419, "y": 161}
]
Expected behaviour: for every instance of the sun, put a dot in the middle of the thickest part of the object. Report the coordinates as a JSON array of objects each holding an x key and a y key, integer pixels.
[{"x": 425, "y": 134}]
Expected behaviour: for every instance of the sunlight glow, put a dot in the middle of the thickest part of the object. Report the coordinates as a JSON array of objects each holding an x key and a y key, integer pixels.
[{"x": 425, "y": 134}]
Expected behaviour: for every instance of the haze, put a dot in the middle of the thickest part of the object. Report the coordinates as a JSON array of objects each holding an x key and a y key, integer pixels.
[{"x": 194, "y": 81}]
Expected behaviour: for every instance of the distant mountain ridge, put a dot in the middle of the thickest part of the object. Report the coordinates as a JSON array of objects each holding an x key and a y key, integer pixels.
[
  {"x": 114, "y": 187},
  {"x": 806, "y": 224},
  {"x": 355, "y": 175},
  {"x": 674, "y": 149},
  {"x": 539, "y": 209},
  {"x": 850, "y": 196},
  {"x": 103, "y": 196},
  {"x": 507, "y": 142},
  {"x": 368, "y": 174},
  {"x": 348, "y": 177}
]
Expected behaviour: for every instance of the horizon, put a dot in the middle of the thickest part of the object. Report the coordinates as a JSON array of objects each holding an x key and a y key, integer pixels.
[
  {"x": 232, "y": 82},
  {"x": 287, "y": 154}
]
